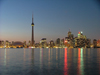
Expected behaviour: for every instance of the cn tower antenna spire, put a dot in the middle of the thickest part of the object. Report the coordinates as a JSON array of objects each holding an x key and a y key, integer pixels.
[{"x": 32, "y": 17}]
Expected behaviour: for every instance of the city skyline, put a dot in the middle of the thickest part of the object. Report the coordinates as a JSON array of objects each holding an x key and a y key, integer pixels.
[{"x": 52, "y": 19}]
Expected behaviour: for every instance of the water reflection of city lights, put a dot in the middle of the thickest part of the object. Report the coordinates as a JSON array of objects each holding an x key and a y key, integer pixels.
[
  {"x": 82, "y": 62},
  {"x": 65, "y": 63},
  {"x": 79, "y": 61},
  {"x": 5, "y": 58}
]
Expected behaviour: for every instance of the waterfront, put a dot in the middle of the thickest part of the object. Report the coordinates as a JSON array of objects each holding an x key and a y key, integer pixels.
[{"x": 51, "y": 61}]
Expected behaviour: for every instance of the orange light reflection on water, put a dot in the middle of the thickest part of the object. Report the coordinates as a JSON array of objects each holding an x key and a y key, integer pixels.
[
  {"x": 65, "y": 63},
  {"x": 79, "y": 61}
]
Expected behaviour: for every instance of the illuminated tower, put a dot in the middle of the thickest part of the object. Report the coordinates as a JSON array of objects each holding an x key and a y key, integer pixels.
[{"x": 32, "y": 41}]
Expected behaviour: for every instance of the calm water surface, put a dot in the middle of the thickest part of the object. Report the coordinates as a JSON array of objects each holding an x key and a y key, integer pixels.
[{"x": 50, "y": 61}]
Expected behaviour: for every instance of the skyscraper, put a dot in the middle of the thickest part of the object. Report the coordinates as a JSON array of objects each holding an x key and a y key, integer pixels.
[
  {"x": 32, "y": 41},
  {"x": 57, "y": 42},
  {"x": 43, "y": 43},
  {"x": 95, "y": 43}
]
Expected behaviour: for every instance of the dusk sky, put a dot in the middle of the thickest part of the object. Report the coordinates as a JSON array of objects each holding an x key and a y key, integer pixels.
[{"x": 52, "y": 19}]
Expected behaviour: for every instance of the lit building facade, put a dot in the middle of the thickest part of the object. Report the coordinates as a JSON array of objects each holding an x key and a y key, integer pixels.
[
  {"x": 17, "y": 44},
  {"x": 43, "y": 43},
  {"x": 25, "y": 44},
  {"x": 51, "y": 44},
  {"x": 70, "y": 35},
  {"x": 88, "y": 43},
  {"x": 37, "y": 45},
  {"x": 98, "y": 43},
  {"x": 57, "y": 43},
  {"x": 29, "y": 43},
  {"x": 62, "y": 43},
  {"x": 69, "y": 41},
  {"x": 80, "y": 35},
  {"x": 1, "y": 44},
  {"x": 7, "y": 44},
  {"x": 81, "y": 40}
]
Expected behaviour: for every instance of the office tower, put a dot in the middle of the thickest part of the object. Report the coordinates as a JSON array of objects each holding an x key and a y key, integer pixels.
[
  {"x": 69, "y": 33},
  {"x": 32, "y": 41},
  {"x": 62, "y": 43},
  {"x": 58, "y": 42},
  {"x": 2, "y": 43},
  {"x": 88, "y": 43},
  {"x": 72, "y": 43},
  {"x": 95, "y": 43},
  {"x": 37, "y": 45},
  {"x": 69, "y": 41},
  {"x": 80, "y": 41},
  {"x": 80, "y": 35},
  {"x": 52, "y": 44},
  {"x": 29, "y": 43},
  {"x": 43, "y": 43},
  {"x": 24, "y": 43},
  {"x": 7, "y": 43},
  {"x": 70, "y": 36},
  {"x": 98, "y": 43}
]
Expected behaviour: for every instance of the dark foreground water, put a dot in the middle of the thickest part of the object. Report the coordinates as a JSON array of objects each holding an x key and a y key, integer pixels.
[{"x": 50, "y": 61}]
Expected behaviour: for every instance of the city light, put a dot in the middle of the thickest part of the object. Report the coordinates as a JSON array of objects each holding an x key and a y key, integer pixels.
[
  {"x": 46, "y": 47},
  {"x": 81, "y": 32},
  {"x": 65, "y": 41},
  {"x": 78, "y": 32}
]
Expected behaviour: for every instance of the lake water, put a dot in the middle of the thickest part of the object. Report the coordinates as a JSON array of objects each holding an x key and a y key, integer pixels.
[{"x": 52, "y": 61}]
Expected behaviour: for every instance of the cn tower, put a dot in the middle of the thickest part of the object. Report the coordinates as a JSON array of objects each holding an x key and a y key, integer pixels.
[{"x": 32, "y": 41}]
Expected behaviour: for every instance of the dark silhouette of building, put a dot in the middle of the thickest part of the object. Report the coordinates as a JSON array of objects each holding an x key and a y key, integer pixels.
[
  {"x": 18, "y": 44},
  {"x": 87, "y": 43},
  {"x": 32, "y": 41},
  {"x": 95, "y": 43},
  {"x": 43, "y": 43},
  {"x": 58, "y": 42},
  {"x": 1, "y": 43},
  {"x": 70, "y": 35},
  {"x": 52, "y": 44}
]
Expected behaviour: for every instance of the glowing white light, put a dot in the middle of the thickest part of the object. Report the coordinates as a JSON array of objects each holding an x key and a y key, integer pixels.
[
  {"x": 81, "y": 32},
  {"x": 56, "y": 47},
  {"x": 32, "y": 47},
  {"x": 46, "y": 47}
]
